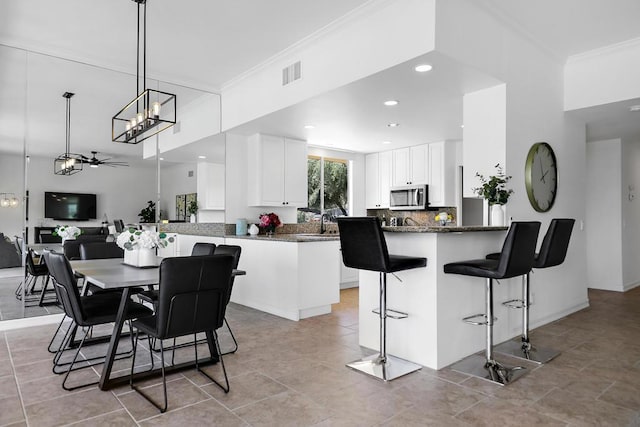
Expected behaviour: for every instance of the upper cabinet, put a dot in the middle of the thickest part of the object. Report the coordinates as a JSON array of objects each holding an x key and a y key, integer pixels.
[
  {"x": 277, "y": 171},
  {"x": 378, "y": 180},
  {"x": 210, "y": 186},
  {"x": 410, "y": 165},
  {"x": 433, "y": 164}
]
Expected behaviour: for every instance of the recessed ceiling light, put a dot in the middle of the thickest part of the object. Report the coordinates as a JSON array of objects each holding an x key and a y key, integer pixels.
[
  {"x": 423, "y": 68},
  {"x": 309, "y": 127},
  {"x": 391, "y": 103},
  {"x": 202, "y": 157},
  {"x": 161, "y": 158},
  {"x": 634, "y": 108},
  {"x": 393, "y": 125},
  {"x": 386, "y": 142}
]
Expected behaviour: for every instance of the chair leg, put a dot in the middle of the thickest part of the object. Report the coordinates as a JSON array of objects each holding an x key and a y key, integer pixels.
[
  {"x": 383, "y": 366},
  {"x": 233, "y": 337},
  {"x": 164, "y": 380},
  {"x": 524, "y": 349},
  {"x": 75, "y": 357},
  {"x": 226, "y": 387},
  {"x": 55, "y": 334},
  {"x": 44, "y": 291}
]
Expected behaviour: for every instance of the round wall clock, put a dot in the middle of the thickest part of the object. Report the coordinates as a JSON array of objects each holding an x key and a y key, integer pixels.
[{"x": 541, "y": 176}]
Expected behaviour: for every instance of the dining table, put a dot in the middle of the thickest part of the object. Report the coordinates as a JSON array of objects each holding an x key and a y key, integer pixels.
[{"x": 113, "y": 273}]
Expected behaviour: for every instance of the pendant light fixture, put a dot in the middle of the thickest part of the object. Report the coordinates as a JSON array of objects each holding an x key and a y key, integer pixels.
[
  {"x": 67, "y": 163},
  {"x": 151, "y": 111},
  {"x": 8, "y": 200}
]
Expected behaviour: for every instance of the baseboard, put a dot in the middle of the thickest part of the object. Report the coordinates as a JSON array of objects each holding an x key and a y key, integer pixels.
[
  {"x": 27, "y": 322},
  {"x": 630, "y": 286},
  {"x": 349, "y": 285},
  {"x": 551, "y": 318}
]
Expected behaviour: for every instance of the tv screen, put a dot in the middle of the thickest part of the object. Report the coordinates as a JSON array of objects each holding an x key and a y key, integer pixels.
[{"x": 69, "y": 206}]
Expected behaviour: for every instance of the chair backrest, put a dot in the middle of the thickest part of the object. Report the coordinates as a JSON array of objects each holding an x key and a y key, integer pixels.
[
  {"x": 193, "y": 293},
  {"x": 200, "y": 249},
  {"x": 71, "y": 249},
  {"x": 555, "y": 243},
  {"x": 18, "y": 244},
  {"x": 519, "y": 249},
  {"x": 119, "y": 224},
  {"x": 92, "y": 237},
  {"x": 235, "y": 252},
  {"x": 31, "y": 266},
  {"x": 66, "y": 286},
  {"x": 50, "y": 238},
  {"x": 100, "y": 250},
  {"x": 363, "y": 243}
]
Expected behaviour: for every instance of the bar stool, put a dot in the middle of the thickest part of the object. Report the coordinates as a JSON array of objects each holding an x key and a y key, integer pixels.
[
  {"x": 516, "y": 259},
  {"x": 552, "y": 252},
  {"x": 364, "y": 247}
]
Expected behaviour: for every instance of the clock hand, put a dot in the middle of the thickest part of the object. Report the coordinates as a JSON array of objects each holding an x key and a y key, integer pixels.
[
  {"x": 541, "y": 173},
  {"x": 542, "y": 177}
]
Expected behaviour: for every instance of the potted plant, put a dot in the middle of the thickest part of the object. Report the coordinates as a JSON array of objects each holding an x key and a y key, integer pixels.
[
  {"x": 192, "y": 208},
  {"x": 140, "y": 246},
  {"x": 494, "y": 190},
  {"x": 148, "y": 214}
]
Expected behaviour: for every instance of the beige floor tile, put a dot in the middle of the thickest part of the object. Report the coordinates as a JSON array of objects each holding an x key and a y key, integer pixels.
[
  {"x": 496, "y": 412},
  {"x": 51, "y": 387},
  {"x": 11, "y": 410},
  {"x": 8, "y": 387},
  {"x": 622, "y": 394},
  {"x": 286, "y": 409},
  {"x": 119, "y": 418},
  {"x": 207, "y": 413},
  {"x": 245, "y": 389},
  {"x": 180, "y": 393},
  {"x": 68, "y": 408},
  {"x": 418, "y": 417}
]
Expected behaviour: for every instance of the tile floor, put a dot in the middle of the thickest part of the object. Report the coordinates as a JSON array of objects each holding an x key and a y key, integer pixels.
[
  {"x": 11, "y": 308},
  {"x": 292, "y": 374}
]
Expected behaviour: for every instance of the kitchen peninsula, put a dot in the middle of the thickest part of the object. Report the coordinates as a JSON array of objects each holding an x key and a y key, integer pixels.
[
  {"x": 434, "y": 335},
  {"x": 294, "y": 276}
]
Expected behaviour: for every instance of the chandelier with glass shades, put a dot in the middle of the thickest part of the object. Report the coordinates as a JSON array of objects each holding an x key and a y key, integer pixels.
[
  {"x": 67, "y": 163},
  {"x": 151, "y": 111}
]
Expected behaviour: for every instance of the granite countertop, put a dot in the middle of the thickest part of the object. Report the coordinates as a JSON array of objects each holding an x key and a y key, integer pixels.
[
  {"x": 441, "y": 229},
  {"x": 299, "y": 238}
]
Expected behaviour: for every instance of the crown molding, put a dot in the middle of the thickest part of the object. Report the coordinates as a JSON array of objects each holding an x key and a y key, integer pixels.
[{"x": 606, "y": 50}]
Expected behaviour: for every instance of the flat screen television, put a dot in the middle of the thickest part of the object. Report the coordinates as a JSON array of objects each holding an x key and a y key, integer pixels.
[{"x": 69, "y": 206}]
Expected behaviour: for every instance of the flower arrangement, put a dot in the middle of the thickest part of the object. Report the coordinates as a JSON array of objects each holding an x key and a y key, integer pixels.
[
  {"x": 494, "y": 188},
  {"x": 269, "y": 221},
  {"x": 131, "y": 239},
  {"x": 67, "y": 231},
  {"x": 444, "y": 217}
]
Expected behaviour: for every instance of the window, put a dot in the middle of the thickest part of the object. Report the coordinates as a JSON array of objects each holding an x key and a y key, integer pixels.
[{"x": 328, "y": 189}]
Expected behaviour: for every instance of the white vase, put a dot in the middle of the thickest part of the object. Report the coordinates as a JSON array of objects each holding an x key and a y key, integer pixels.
[
  {"x": 192, "y": 219},
  {"x": 497, "y": 215},
  {"x": 142, "y": 257}
]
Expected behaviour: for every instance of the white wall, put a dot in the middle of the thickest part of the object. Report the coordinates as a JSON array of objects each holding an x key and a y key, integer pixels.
[
  {"x": 381, "y": 34},
  {"x": 121, "y": 192},
  {"x": 630, "y": 213},
  {"x": 603, "y": 76},
  {"x": 12, "y": 181},
  {"x": 174, "y": 180},
  {"x": 534, "y": 112},
  {"x": 603, "y": 215}
]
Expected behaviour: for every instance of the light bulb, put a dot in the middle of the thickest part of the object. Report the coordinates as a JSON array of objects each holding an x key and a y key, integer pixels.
[
  {"x": 14, "y": 202},
  {"x": 4, "y": 202},
  {"x": 140, "y": 118},
  {"x": 155, "y": 108}
]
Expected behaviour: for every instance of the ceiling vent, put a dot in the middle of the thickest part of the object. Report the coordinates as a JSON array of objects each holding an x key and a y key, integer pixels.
[{"x": 291, "y": 73}]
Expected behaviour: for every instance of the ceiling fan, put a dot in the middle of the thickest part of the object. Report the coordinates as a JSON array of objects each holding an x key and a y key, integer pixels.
[{"x": 94, "y": 162}]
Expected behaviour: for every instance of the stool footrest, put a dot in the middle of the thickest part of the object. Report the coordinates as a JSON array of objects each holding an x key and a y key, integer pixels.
[
  {"x": 393, "y": 314},
  {"x": 471, "y": 319},
  {"x": 514, "y": 303}
]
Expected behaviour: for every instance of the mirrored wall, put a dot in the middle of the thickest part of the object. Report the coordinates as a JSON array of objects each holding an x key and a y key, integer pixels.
[{"x": 33, "y": 132}]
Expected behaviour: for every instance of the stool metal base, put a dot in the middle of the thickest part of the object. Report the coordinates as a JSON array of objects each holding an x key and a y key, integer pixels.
[
  {"x": 391, "y": 369},
  {"x": 497, "y": 373},
  {"x": 527, "y": 351}
]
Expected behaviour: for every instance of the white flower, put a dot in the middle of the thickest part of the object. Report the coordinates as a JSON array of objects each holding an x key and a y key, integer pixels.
[
  {"x": 67, "y": 232},
  {"x": 131, "y": 239}
]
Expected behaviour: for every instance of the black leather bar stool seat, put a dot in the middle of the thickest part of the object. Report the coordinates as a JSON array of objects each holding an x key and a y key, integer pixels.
[
  {"x": 516, "y": 259},
  {"x": 364, "y": 247},
  {"x": 553, "y": 251}
]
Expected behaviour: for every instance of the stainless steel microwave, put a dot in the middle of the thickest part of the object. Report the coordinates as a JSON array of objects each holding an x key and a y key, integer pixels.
[{"x": 409, "y": 198}]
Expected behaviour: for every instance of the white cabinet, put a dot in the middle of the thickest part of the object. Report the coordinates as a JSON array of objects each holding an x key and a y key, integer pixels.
[
  {"x": 442, "y": 174},
  {"x": 277, "y": 171},
  {"x": 210, "y": 186},
  {"x": 378, "y": 180},
  {"x": 410, "y": 165}
]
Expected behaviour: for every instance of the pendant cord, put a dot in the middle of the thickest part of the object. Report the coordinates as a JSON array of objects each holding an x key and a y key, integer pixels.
[
  {"x": 138, "y": 55},
  {"x": 68, "y": 143}
]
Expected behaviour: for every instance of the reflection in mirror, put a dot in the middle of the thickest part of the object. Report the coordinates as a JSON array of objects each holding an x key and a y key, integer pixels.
[{"x": 33, "y": 124}]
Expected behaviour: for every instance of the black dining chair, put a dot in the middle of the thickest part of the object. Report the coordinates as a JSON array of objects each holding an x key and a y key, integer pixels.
[
  {"x": 193, "y": 295},
  {"x": 235, "y": 252},
  {"x": 85, "y": 311},
  {"x": 50, "y": 238},
  {"x": 100, "y": 250},
  {"x": 33, "y": 272}
]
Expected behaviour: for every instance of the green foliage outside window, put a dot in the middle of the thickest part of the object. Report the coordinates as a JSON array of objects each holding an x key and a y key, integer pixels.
[{"x": 326, "y": 194}]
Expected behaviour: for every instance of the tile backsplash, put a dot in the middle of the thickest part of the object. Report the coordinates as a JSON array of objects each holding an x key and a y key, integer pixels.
[{"x": 413, "y": 217}]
